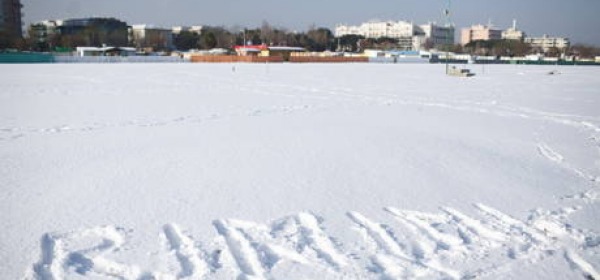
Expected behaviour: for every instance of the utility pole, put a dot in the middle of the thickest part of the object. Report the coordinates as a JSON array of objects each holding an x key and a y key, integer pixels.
[
  {"x": 244, "y": 37},
  {"x": 447, "y": 14}
]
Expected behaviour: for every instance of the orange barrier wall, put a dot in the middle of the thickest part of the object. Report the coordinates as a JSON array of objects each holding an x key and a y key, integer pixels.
[
  {"x": 327, "y": 59},
  {"x": 235, "y": 58},
  {"x": 275, "y": 59}
]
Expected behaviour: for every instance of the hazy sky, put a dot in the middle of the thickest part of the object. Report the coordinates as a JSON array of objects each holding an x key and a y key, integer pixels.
[{"x": 576, "y": 19}]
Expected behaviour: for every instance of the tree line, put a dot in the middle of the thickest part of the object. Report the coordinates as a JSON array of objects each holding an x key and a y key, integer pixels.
[
  {"x": 314, "y": 39},
  {"x": 516, "y": 48}
]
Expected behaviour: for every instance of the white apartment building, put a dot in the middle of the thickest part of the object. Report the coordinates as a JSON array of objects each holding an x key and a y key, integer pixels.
[
  {"x": 378, "y": 29},
  {"x": 546, "y": 42},
  {"x": 343, "y": 30},
  {"x": 409, "y": 35},
  {"x": 513, "y": 33}
]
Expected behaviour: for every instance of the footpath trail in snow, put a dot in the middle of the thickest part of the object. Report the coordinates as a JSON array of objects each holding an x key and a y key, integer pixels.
[{"x": 355, "y": 171}]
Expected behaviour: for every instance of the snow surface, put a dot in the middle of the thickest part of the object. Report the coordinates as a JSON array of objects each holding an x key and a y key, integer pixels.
[{"x": 253, "y": 171}]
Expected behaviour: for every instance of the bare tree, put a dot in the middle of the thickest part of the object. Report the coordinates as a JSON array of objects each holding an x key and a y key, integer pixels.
[{"x": 266, "y": 33}]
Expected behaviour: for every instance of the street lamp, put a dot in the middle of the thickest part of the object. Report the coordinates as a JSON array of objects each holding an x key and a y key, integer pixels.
[
  {"x": 244, "y": 43},
  {"x": 447, "y": 14}
]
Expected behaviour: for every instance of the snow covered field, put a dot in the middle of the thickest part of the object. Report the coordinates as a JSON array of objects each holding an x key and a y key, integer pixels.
[{"x": 355, "y": 171}]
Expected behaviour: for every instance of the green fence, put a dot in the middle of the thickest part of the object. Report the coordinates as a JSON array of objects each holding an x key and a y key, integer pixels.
[
  {"x": 560, "y": 62},
  {"x": 525, "y": 62},
  {"x": 18, "y": 57}
]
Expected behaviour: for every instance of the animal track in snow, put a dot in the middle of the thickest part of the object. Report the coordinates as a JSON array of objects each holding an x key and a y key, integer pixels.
[
  {"x": 549, "y": 153},
  {"x": 554, "y": 156}
]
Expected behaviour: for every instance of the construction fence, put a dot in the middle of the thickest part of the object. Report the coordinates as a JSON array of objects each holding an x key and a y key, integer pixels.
[
  {"x": 25, "y": 57},
  {"x": 118, "y": 59},
  {"x": 234, "y": 58},
  {"x": 16, "y": 57},
  {"x": 275, "y": 59},
  {"x": 328, "y": 59}
]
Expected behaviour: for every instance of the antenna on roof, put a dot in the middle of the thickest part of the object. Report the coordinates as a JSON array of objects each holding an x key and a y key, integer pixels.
[
  {"x": 447, "y": 19},
  {"x": 449, "y": 41}
]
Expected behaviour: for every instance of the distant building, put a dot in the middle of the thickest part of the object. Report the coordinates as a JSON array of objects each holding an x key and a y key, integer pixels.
[
  {"x": 105, "y": 51},
  {"x": 80, "y": 32},
  {"x": 10, "y": 19},
  {"x": 343, "y": 30},
  {"x": 546, "y": 43},
  {"x": 264, "y": 50},
  {"x": 250, "y": 50},
  {"x": 94, "y": 32},
  {"x": 479, "y": 33},
  {"x": 151, "y": 38},
  {"x": 409, "y": 35},
  {"x": 193, "y": 29},
  {"x": 513, "y": 33},
  {"x": 378, "y": 29},
  {"x": 437, "y": 35},
  {"x": 45, "y": 33}
]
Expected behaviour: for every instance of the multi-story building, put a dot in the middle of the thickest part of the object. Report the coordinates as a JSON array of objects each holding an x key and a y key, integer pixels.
[
  {"x": 45, "y": 33},
  {"x": 479, "y": 33},
  {"x": 10, "y": 18},
  {"x": 94, "y": 31},
  {"x": 437, "y": 35},
  {"x": 546, "y": 42},
  {"x": 193, "y": 29},
  {"x": 378, "y": 29},
  {"x": 513, "y": 33},
  {"x": 151, "y": 38},
  {"x": 343, "y": 30},
  {"x": 409, "y": 35},
  {"x": 81, "y": 32}
]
